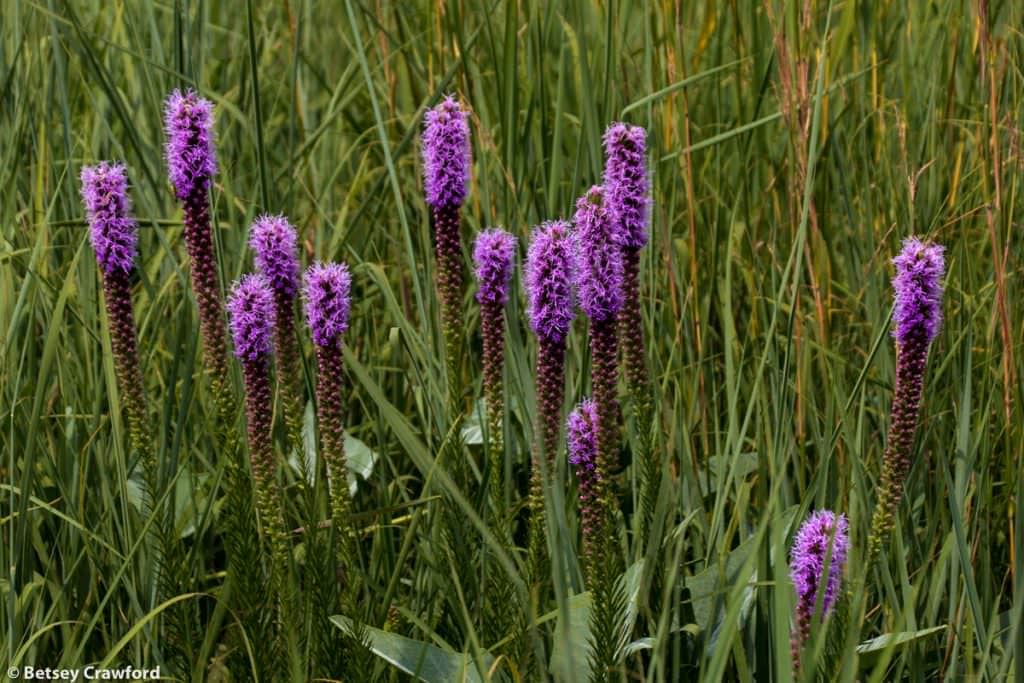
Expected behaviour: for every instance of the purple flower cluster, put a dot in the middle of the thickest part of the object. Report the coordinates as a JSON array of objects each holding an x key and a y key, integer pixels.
[
  {"x": 327, "y": 290},
  {"x": 598, "y": 258},
  {"x": 191, "y": 158},
  {"x": 492, "y": 254},
  {"x": 446, "y": 154},
  {"x": 807, "y": 559},
  {"x": 274, "y": 242},
  {"x": 251, "y": 309},
  {"x": 549, "y": 281},
  {"x": 625, "y": 182},
  {"x": 918, "y": 290},
  {"x": 108, "y": 208},
  {"x": 581, "y": 436}
]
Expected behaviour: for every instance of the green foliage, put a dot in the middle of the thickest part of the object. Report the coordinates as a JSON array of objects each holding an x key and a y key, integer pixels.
[{"x": 790, "y": 152}]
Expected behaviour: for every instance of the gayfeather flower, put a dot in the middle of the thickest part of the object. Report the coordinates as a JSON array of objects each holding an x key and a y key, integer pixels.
[
  {"x": 917, "y": 316},
  {"x": 113, "y": 234},
  {"x": 251, "y": 310},
  {"x": 446, "y": 167},
  {"x": 327, "y": 293},
  {"x": 598, "y": 258},
  {"x": 550, "y": 308},
  {"x": 275, "y": 244},
  {"x": 493, "y": 256},
  {"x": 627, "y": 192},
  {"x": 625, "y": 180},
  {"x": 191, "y": 157},
  {"x": 446, "y": 154},
  {"x": 581, "y": 438},
  {"x": 191, "y": 165},
  {"x": 822, "y": 536},
  {"x": 112, "y": 228}
]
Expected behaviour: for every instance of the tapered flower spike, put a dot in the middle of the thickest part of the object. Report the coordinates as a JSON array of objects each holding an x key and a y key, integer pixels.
[
  {"x": 251, "y": 310},
  {"x": 550, "y": 309},
  {"x": 327, "y": 294},
  {"x": 581, "y": 437},
  {"x": 112, "y": 228},
  {"x": 275, "y": 245},
  {"x": 598, "y": 259},
  {"x": 493, "y": 255},
  {"x": 627, "y": 193},
  {"x": 917, "y": 318},
  {"x": 817, "y": 560},
  {"x": 191, "y": 165},
  {"x": 446, "y": 169}
]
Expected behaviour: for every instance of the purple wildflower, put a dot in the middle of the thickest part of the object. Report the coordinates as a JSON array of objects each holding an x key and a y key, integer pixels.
[
  {"x": 625, "y": 180},
  {"x": 581, "y": 438},
  {"x": 549, "y": 281},
  {"x": 327, "y": 290},
  {"x": 446, "y": 154},
  {"x": 112, "y": 228},
  {"x": 251, "y": 307},
  {"x": 598, "y": 258},
  {"x": 807, "y": 559},
  {"x": 274, "y": 242},
  {"x": 918, "y": 290},
  {"x": 191, "y": 157},
  {"x": 493, "y": 253}
]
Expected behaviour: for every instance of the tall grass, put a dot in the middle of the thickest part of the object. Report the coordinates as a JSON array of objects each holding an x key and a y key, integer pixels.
[{"x": 792, "y": 146}]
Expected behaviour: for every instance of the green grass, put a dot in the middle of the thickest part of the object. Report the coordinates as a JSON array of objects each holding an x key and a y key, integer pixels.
[{"x": 788, "y": 160}]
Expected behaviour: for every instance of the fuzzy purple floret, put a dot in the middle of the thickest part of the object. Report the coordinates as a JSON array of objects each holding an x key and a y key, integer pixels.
[
  {"x": 327, "y": 296},
  {"x": 446, "y": 154},
  {"x": 807, "y": 558},
  {"x": 917, "y": 287},
  {"x": 581, "y": 435},
  {"x": 191, "y": 157},
  {"x": 112, "y": 228},
  {"x": 274, "y": 242},
  {"x": 549, "y": 281},
  {"x": 251, "y": 312},
  {"x": 598, "y": 259},
  {"x": 492, "y": 255},
  {"x": 626, "y": 184}
]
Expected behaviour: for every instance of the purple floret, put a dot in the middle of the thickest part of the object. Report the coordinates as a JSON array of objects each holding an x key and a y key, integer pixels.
[
  {"x": 625, "y": 182},
  {"x": 549, "y": 281},
  {"x": 918, "y": 290},
  {"x": 446, "y": 154},
  {"x": 492, "y": 255},
  {"x": 274, "y": 241},
  {"x": 598, "y": 258},
  {"x": 581, "y": 435},
  {"x": 191, "y": 157},
  {"x": 112, "y": 228},
  {"x": 251, "y": 312},
  {"x": 327, "y": 291},
  {"x": 807, "y": 559}
]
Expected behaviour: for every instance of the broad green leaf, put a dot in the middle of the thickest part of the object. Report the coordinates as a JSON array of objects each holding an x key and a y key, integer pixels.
[{"x": 887, "y": 640}]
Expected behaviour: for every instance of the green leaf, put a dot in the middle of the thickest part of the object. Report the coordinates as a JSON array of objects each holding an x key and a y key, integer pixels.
[
  {"x": 887, "y": 640},
  {"x": 424, "y": 661},
  {"x": 359, "y": 458}
]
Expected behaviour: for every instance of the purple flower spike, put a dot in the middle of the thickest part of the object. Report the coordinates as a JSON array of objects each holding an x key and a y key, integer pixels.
[
  {"x": 327, "y": 292},
  {"x": 274, "y": 241},
  {"x": 598, "y": 258},
  {"x": 626, "y": 184},
  {"x": 251, "y": 308},
  {"x": 493, "y": 253},
  {"x": 549, "y": 281},
  {"x": 108, "y": 209},
  {"x": 807, "y": 559},
  {"x": 446, "y": 154},
  {"x": 191, "y": 158},
  {"x": 918, "y": 290}
]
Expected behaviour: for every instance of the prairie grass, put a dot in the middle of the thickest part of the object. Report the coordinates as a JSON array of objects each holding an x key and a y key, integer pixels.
[{"x": 792, "y": 145}]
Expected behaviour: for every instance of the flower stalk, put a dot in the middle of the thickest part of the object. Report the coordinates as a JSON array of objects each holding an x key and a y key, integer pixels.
[{"x": 917, "y": 318}]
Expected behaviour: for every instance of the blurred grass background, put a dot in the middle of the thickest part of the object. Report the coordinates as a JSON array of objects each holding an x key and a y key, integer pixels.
[{"x": 792, "y": 145}]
